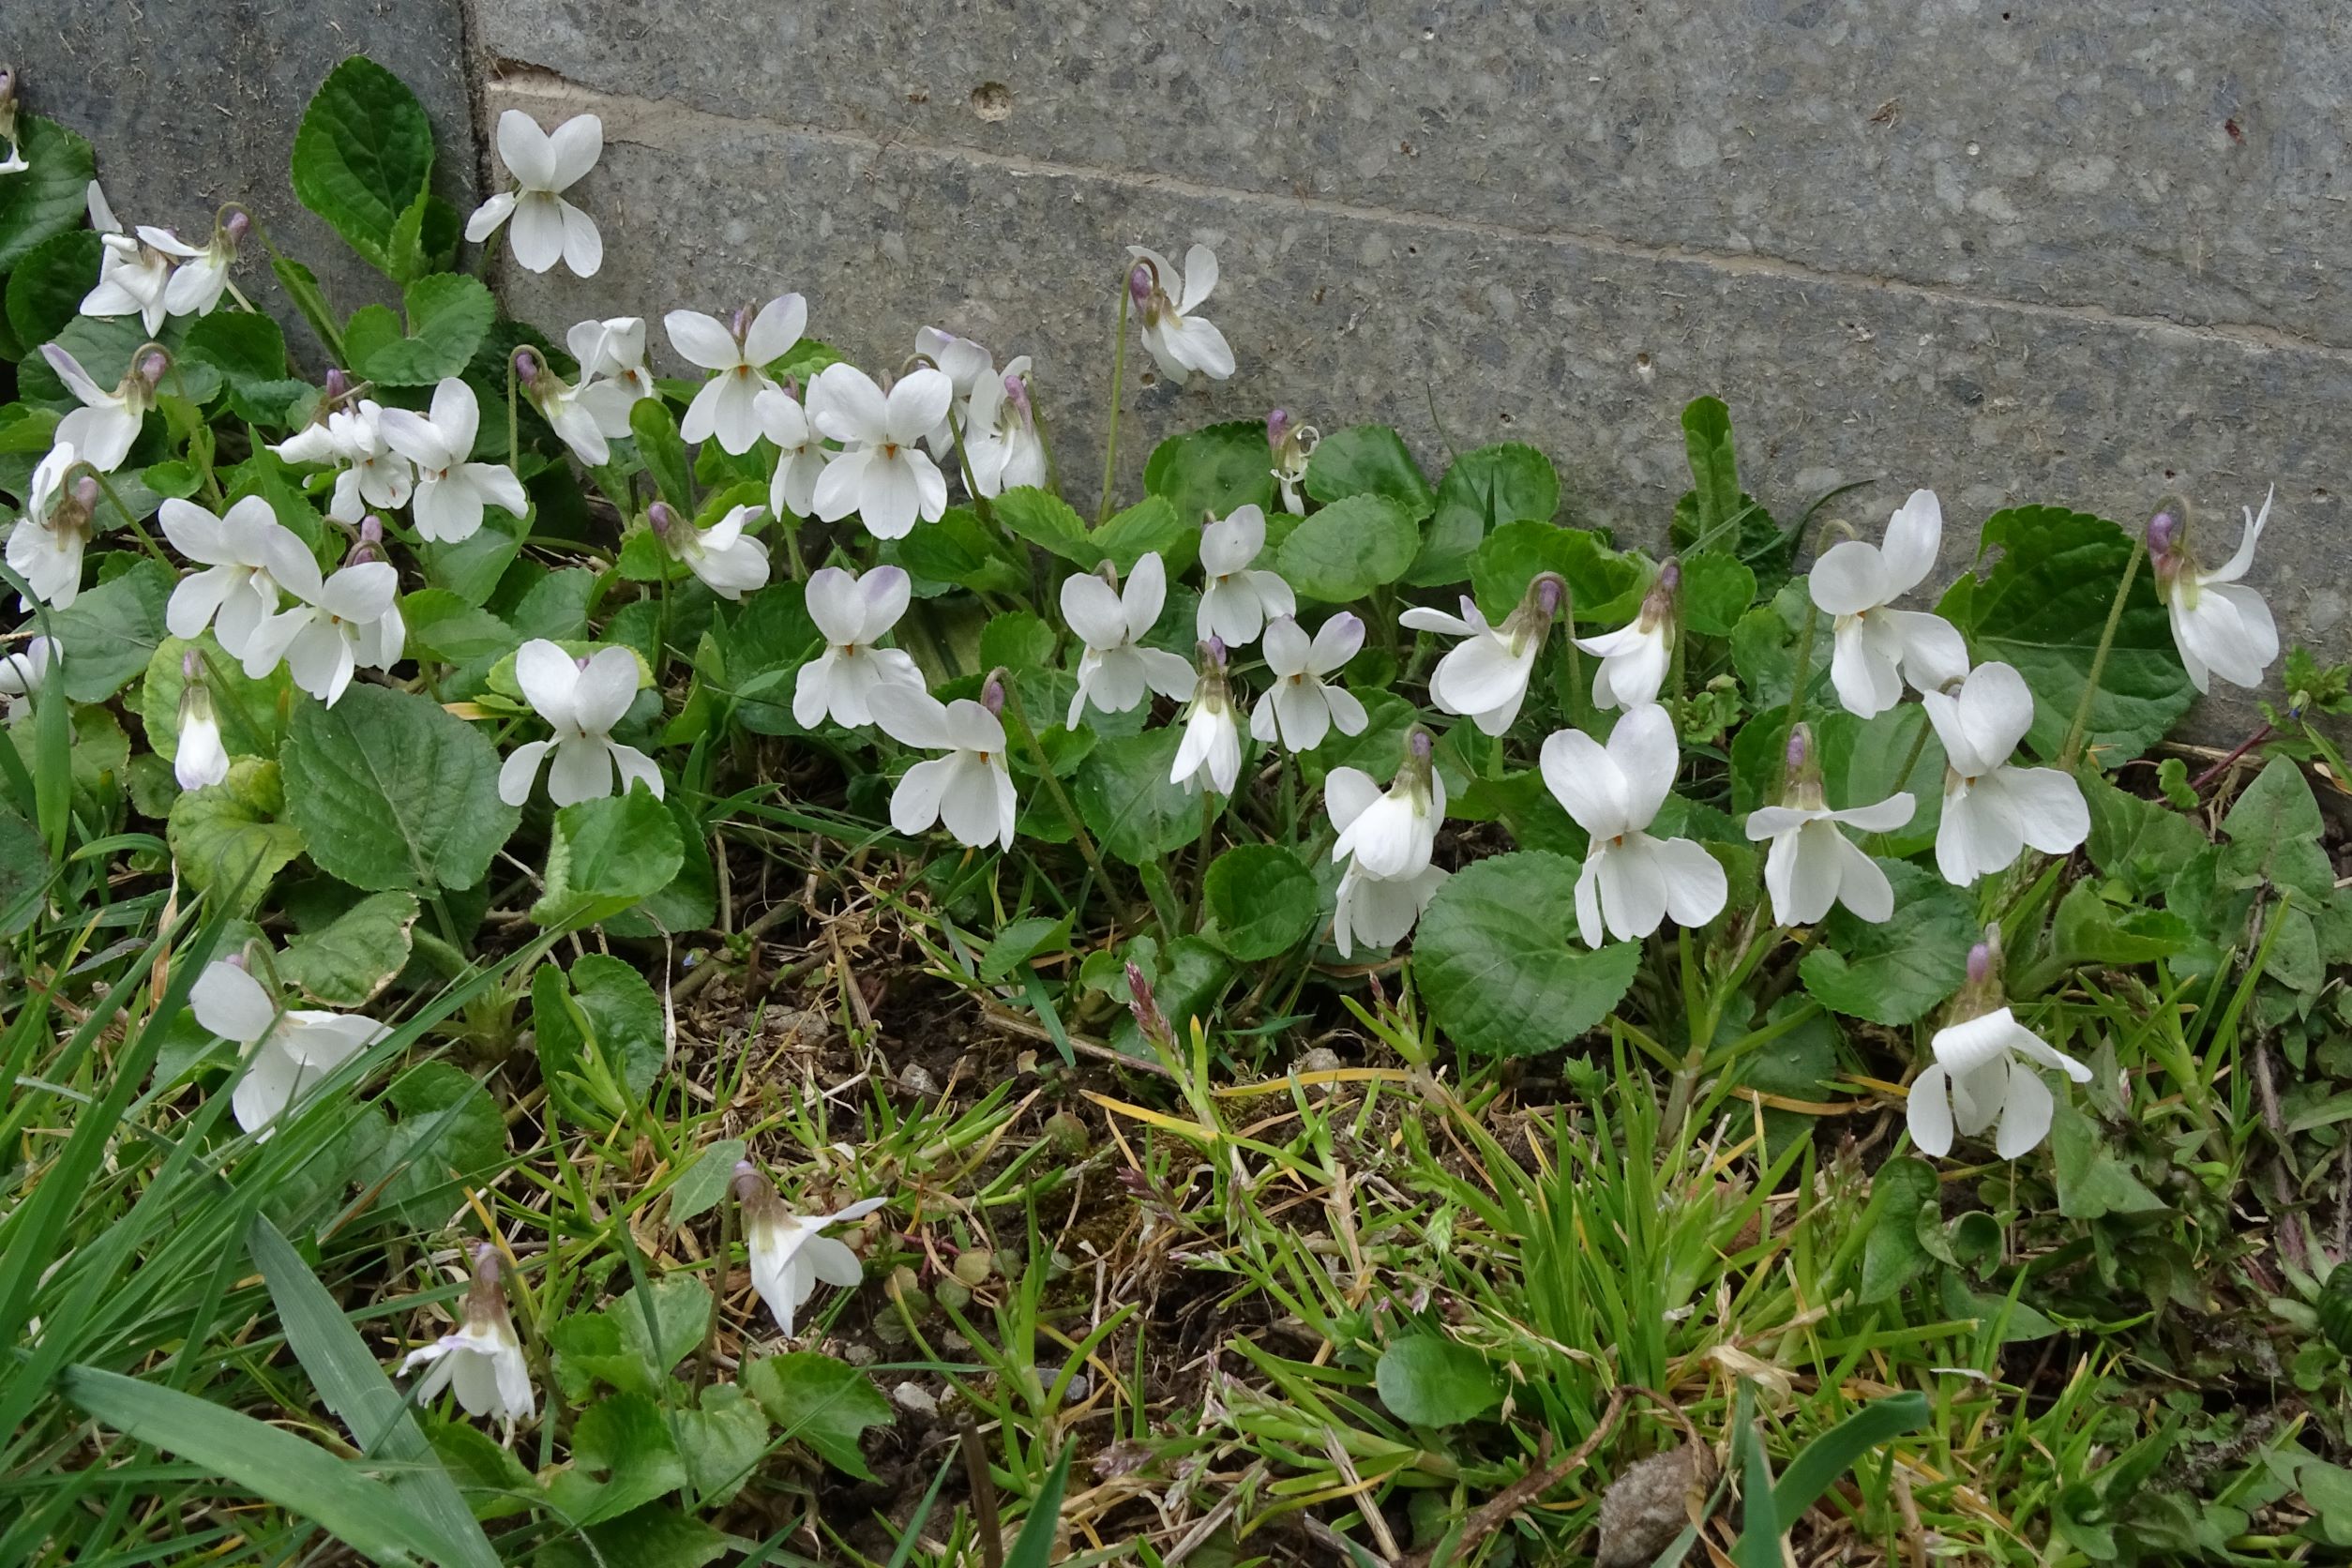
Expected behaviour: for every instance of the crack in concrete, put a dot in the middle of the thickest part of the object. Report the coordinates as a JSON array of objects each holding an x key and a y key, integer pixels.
[{"x": 667, "y": 125}]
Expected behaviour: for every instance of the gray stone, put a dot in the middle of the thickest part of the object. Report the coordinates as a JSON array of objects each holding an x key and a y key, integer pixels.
[
  {"x": 2187, "y": 162},
  {"x": 1460, "y": 334},
  {"x": 193, "y": 104}
]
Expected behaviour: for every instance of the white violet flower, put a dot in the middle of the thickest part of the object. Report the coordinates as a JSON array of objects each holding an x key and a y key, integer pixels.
[
  {"x": 882, "y": 471},
  {"x": 800, "y": 453},
  {"x": 103, "y": 427},
  {"x": 1210, "y": 752},
  {"x": 582, "y": 699},
  {"x": 1486, "y": 674},
  {"x": 1811, "y": 865},
  {"x": 45, "y": 545},
  {"x": 547, "y": 229},
  {"x": 1117, "y": 672},
  {"x": 451, "y": 489},
  {"x": 966, "y": 365},
  {"x": 1877, "y": 648},
  {"x": 349, "y": 623},
  {"x": 24, "y": 672},
  {"x": 201, "y": 276},
  {"x": 738, "y": 353},
  {"x": 729, "y": 561},
  {"x": 614, "y": 351},
  {"x": 1180, "y": 341},
  {"x": 970, "y": 791},
  {"x": 854, "y": 613},
  {"x": 1293, "y": 447},
  {"x": 198, "y": 757},
  {"x": 482, "y": 1360},
  {"x": 1631, "y": 881},
  {"x": 293, "y": 1049},
  {"x": 789, "y": 1253},
  {"x": 1301, "y": 707},
  {"x": 1634, "y": 658},
  {"x": 1991, "y": 810},
  {"x": 134, "y": 275},
  {"x": 245, "y": 553},
  {"x": 587, "y": 417},
  {"x": 1238, "y": 599},
  {"x": 1978, "y": 1078},
  {"x": 1000, "y": 439},
  {"x": 1396, "y": 828},
  {"x": 2220, "y": 627},
  {"x": 370, "y": 475}
]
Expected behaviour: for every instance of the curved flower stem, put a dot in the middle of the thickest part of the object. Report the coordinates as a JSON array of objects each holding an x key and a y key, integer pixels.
[
  {"x": 1061, "y": 801},
  {"x": 146, "y": 540},
  {"x": 2077, "y": 731},
  {"x": 514, "y": 415},
  {"x": 1118, "y": 389}
]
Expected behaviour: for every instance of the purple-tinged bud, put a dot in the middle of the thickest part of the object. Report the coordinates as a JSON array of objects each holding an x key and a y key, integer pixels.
[
  {"x": 339, "y": 383},
  {"x": 1800, "y": 750},
  {"x": 992, "y": 692},
  {"x": 154, "y": 366},
  {"x": 527, "y": 366},
  {"x": 1419, "y": 745},
  {"x": 1212, "y": 652},
  {"x": 1550, "y": 588},
  {"x": 86, "y": 494},
  {"x": 1670, "y": 577},
  {"x": 1141, "y": 285},
  {"x": 1016, "y": 393},
  {"x": 486, "y": 1269},
  {"x": 2163, "y": 534},
  {"x": 1277, "y": 427},
  {"x": 1979, "y": 963},
  {"x": 740, "y": 323},
  {"x": 372, "y": 530},
  {"x": 661, "y": 519},
  {"x": 236, "y": 225},
  {"x": 192, "y": 665}
]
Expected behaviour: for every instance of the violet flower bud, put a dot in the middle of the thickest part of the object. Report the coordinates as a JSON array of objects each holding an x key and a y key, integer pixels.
[
  {"x": 486, "y": 1268},
  {"x": 1213, "y": 650},
  {"x": 2163, "y": 534},
  {"x": 526, "y": 366},
  {"x": 1419, "y": 745},
  {"x": 153, "y": 367},
  {"x": 339, "y": 383},
  {"x": 1670, "y": 577},
  {"x": 1549, "y": 591},
  {"x": 1141, "y": 285},
  {"x": 1277, "y": 427},
  {"x": 1800, "y": 750},
  {"x": 1979, "y": 963},
  {"x": 236, "y": 225},
  {"x": 86, "y": 494},
  {"x": 660, "y": 518},
  {"x": 1016, "y": 393},
  {"x": 992, "y": 692},
  {"x": 192, "y": 665}
]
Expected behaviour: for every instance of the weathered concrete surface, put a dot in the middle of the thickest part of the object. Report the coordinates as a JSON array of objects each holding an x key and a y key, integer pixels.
[
  {"x": 2183, "y": 161},
  {"x": 1586, "y": 346},
  {"x": 193, "y": 104}
]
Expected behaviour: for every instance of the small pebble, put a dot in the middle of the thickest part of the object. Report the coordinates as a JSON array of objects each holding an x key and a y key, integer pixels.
[{"x": 912, "y": 1398}]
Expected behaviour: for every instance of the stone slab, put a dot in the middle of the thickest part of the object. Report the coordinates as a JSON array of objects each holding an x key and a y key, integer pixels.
[
  {"x": 2188, "y": 162},
  {"x": 193, "y": 104},
  {"x": 1587, "y": 348}
]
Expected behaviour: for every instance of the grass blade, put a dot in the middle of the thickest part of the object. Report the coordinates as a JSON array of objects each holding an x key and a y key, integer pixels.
[
  {"x": 1033, "y": 1547},
  {"x": 1836, "y": 1450}
]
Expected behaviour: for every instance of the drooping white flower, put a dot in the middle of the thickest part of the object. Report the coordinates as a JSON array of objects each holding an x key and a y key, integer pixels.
[
  {"x": 1991, "y": 810},
  {"x": 1634, "y": 658},
  {"x": 729, "y": 561},
  {"x": 1301, "y": 707},
  {"x": 1484, "y": 675},
  {"x": 134, "y": 275},
  {"x": 587, "y": 417},
  {"x": 800, "y": 454},
  {"x": 45, "y": 545},
  {"x": 882, "y": 473},
  {"x": 370, "y": 475},
  {"x": 349, "y": 622},
  {"x": 854, "y": 613},
  {"x": 1238, "y": 599},
  {"x": 451, "y": 489},
  {"x": 614, "y": 351},
  {"x": 1631, "y": 881},
  {"x": 547, "y": 229},
  {"x": 245, "y": 553},
  {"x": 1978, "y": 1078},
  {"x": 293, "y": 1049},
  {"x": 1395, "y": 829},
  {"x": 789, "y": 1253},
  {"x": 965, "y": 364},
  {"x": 482, "y": 1360},
  {"x": 738, "y": 355},
  {"x": 24, "y": 671},
  {"x": 1878, "y": 647},
  {"x": 1116, "y": 671},
  {"x": 1293, "y": 447},
  {"x": 582, "y": 699},
  {"x": 1811, "y": 865},
  {"x": 1210, "y": 752},
  {"x": 1181, "y": 342},
  {"x": 970, "y": 791},
  {"x": 2220, "y": 627},
  {"x": 103, "y": 427},
  {"x": 201, "y": 276},
  {"x": 1000, "y": 439},
  {"x": 198, "y": 757}
]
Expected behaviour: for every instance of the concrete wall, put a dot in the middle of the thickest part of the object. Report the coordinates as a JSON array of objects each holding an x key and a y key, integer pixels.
[{"x": 2015, "y": 250}]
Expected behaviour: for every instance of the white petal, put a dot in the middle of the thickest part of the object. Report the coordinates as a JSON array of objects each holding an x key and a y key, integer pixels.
[
  {"x": 1868, "y": 683},
  {"x": 703, "y": 340},
  {"x": 521, "y": 771},
  {"x": 1586, "y": 781},
  {"x": 1695, "y": 887},
  {"x": 1927, "y": 1109},
  {"x": 232, "y": 1004},
  {"x": 1348, "y": 794},
  {"x": 775, "y": 329},
  {"x": 1914, "y": 534},
  {"x": 1850, "y": 577},
  {"x": 2026, "y": 1113},
  {"x": 1646, "y": 753}
]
